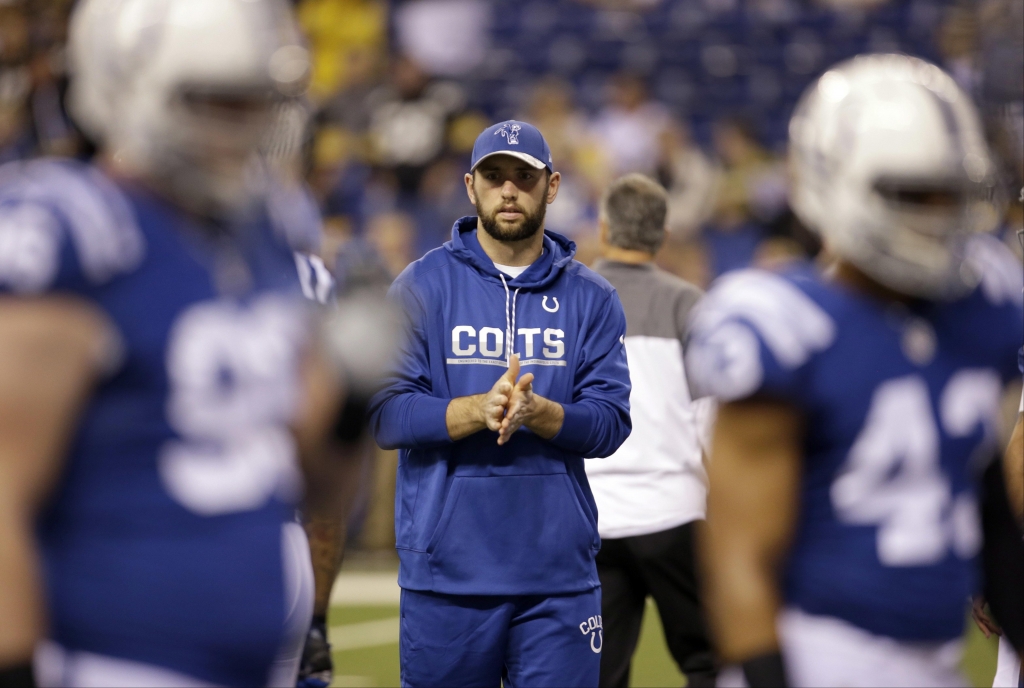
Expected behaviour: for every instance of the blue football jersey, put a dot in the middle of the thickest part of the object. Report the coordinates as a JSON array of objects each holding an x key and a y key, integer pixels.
[
  {"x": 162, "y": 543},
  {"x": 901, "y": 403}
]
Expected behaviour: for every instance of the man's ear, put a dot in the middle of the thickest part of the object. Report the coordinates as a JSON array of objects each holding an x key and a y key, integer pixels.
[
  {"x": 469, "y": 188},
  {"x": 556, "y": 179}
]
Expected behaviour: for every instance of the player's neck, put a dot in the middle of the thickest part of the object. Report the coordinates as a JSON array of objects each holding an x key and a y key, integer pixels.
[
  {"x": 511, "y": 253},
  {"x": 122, "y": 172},
  {"x": 626, "y": 255},
  {"x": 851, "y": 276}
]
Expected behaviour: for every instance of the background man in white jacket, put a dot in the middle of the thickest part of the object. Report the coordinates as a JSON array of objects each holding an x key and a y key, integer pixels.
[{"x": 652, "y": 491}]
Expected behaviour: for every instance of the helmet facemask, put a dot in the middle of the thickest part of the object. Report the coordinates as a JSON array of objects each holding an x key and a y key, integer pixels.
[
  {"x": 908, "y": 235},
  {"x": 206, "y": 159}
]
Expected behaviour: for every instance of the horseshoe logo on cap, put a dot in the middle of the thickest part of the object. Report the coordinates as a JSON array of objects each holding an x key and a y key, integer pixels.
[{"x": 544, "y": 304}]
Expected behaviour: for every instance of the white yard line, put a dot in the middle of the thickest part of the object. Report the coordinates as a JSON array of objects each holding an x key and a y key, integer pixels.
[
  {"x": 366, "y": 588},
  {"x": 364, "y": 634}
]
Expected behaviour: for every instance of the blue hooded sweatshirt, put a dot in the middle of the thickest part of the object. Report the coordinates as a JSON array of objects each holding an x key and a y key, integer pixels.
[{"x": 472, "y": 517}]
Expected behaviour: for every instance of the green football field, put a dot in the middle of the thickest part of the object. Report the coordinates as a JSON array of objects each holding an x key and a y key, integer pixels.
[{"x": 364, "y": 632}]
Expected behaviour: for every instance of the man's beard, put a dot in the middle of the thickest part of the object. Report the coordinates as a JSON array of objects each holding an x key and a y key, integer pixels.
[{"x": 526, "y": 227}]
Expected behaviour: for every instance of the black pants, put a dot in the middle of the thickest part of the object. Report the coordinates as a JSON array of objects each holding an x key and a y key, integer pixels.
[{"x": 660, "y": 565}]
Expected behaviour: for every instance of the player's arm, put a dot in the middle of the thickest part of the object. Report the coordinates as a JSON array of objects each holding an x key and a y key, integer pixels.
[
  {"x": 51, "y": 350},
  {"x": 327, "y": 469},
  {"x": 755, "y": 474}
]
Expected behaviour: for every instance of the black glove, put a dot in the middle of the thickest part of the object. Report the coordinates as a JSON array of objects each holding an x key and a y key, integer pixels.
[
  {"x": 317, "y": 667},
  {"x": 765, "y": 671}
]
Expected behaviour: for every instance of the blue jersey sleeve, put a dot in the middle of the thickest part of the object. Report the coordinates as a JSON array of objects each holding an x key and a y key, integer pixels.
[
  {"x": 754, "y": 334},
  {"x": 35, "y": 253},
  {"x": 405, "y": 413},
  {"x": 1001, "y": 295},
  {"x": 597, "y": 420},
  {"x": 63, "y": 228}
]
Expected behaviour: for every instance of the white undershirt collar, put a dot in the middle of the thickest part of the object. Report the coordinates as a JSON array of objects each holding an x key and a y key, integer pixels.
[{"x": 512, "y": 271}]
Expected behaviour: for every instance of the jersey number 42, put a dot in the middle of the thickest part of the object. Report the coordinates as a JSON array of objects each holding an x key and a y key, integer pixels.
[{"x": 893, "y": 477}]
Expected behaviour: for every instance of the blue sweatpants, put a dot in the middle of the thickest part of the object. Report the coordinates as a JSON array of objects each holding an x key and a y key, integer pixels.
[{"x": 477, "y": 641}]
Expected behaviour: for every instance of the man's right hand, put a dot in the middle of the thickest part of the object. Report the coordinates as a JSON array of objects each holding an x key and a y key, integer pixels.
[
  {"x": 986, "y": 624},
  {"x": 494, "y": 403},
  {"x": 469, "y": 415}
]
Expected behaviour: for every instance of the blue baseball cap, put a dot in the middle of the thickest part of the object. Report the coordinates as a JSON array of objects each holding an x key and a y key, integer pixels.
[{"x": 518, "y": 139}]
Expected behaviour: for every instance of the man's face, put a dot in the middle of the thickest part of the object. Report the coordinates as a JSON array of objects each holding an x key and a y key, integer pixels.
[{"x": 511, "y": 197}]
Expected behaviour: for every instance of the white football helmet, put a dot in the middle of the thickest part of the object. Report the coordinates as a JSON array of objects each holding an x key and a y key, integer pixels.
[
  {"x": 184, "y": 92},
  {"x": 889, "y": 164}
]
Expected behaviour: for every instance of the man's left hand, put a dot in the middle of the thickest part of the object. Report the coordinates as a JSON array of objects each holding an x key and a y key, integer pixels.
[
  {"x": 521, "y": 405},
  {"x": 525, "y": 408}
]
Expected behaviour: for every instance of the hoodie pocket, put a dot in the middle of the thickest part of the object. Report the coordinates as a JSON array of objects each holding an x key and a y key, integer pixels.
[{"x": 515, "y": 534}]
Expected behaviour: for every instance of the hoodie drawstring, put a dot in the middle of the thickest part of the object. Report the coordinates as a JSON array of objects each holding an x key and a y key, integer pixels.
[{"x": 510, "y": 321}]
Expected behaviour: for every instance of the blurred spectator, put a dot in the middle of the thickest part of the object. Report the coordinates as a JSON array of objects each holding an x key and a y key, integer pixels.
[
  {"x": 15, "y": 135},
  {"x": 1002, "y": 44},
  {"x": 958, "y": 42},
  {"x": 339, "y": 175},
  {"x": 15, "y": 79},
  {"x": 577, "y": 156},
  {"x": 787, "y": 240},
  {"x": 14, "y": 33},
  {"x": 448, "y": 37},
  {"x": 392, "y": 235},
  {"x": 752, "y": 194},
  {"x": 442, "y": 197},
  {"x": 551, "y": 110},
  {"x": 348, "y": 108},
  {"x": 691, "y": 180},
  {"x": 408, "y": 121},
  {"x": 442, "y": 200},
  {"x": 630, "y": 126},
  {"x": 336, "y": 29}
]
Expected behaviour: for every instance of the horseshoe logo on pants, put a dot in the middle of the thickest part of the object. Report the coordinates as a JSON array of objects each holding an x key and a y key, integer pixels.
[{"x": 594, "y": 638}]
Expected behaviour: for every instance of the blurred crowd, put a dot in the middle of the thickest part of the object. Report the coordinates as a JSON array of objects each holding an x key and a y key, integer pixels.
[{"x": 401, "y": 89}]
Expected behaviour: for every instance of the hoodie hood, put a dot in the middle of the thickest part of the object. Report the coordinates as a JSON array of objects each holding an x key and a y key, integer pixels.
[{"x": 558, "y": 253}]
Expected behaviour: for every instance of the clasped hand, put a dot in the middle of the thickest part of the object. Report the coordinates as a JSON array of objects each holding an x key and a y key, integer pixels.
[{"x": 510, "y": 403}]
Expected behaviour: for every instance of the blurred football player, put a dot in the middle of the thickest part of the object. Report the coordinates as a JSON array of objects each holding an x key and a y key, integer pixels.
[
  {"x": 157, "y": 377},
  {"x": 858, "y": 401}
]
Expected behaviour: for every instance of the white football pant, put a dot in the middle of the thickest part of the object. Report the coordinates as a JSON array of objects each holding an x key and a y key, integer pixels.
[
  {"x": 823, "y": 651},
  {"x": 1007, "y": 666}
]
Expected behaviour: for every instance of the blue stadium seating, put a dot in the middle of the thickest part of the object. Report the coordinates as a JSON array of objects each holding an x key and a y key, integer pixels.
[{"x": 703, "y": 58}]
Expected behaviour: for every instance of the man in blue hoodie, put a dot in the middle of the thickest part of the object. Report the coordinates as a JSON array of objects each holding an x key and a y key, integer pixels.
[{"x": 496, "y": 526}]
